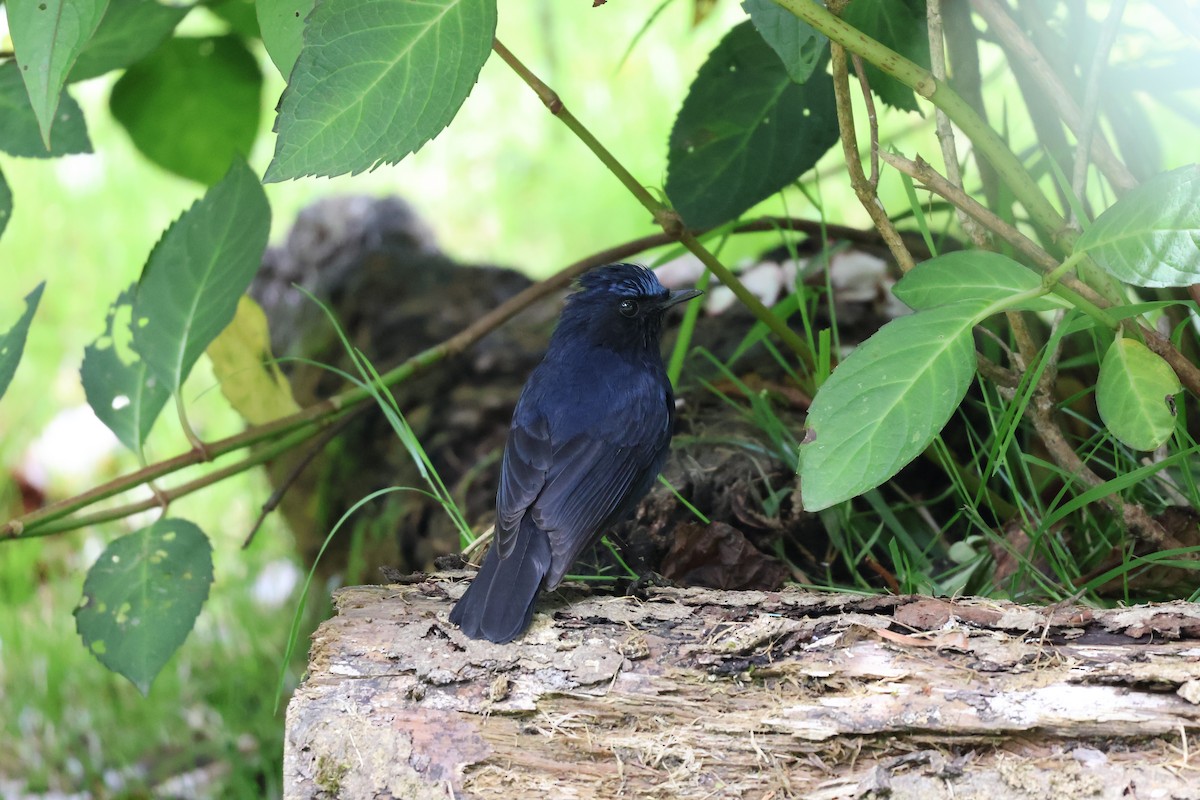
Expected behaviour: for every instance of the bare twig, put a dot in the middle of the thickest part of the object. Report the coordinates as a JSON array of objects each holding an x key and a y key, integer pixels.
[
  {"x": 921, "y": 171},
  {"x": 1024, "y": 51},
  {"x": 872, "y": 119},
  {"x": 296, "y": 471},
  {"x": 862, "y": 187},
  {"x": 945, "y": 131},
  {"x": 1091, "y": 100}
]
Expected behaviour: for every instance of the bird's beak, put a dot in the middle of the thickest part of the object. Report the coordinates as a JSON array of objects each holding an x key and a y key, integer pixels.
[{"x": 681, "y": 296}]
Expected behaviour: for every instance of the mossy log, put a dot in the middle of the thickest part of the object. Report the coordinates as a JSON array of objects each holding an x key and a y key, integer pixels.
[{"x": 691, "y": 693}]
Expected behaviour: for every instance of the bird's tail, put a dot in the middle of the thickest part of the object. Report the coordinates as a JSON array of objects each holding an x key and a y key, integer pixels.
[{"x": 498, "y": 604}]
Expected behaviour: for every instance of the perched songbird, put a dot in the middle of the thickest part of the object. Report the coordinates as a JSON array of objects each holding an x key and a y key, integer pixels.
[{"x": 589, "y": 436}]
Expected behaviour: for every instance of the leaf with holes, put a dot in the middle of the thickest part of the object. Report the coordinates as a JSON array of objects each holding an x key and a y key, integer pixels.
[
  {"x": 282, "y": 25},
  {"x": 799, "y": 45},
  {"x": 899, "y": 25},
  {"x": 971, "y": 275},
  {"x": 242, "y": 363},
  {"x": 130, "y": 31},
  {"x": 142, "y": 596},
  {"x": 1151, "y": 236},
  {"x": 1135, "y": 395},
  {"x": 745, "y": 131},
  {"x": 118, "y": 385},
  {"x": 192, "y": 105},
  {"x": 12, "y": 341},
  {"x": 376, "y": 80},
  {"x": 48, "y": 36},
  {"x": 19, "y": 132},
  {"x": 189, "y": 288},
  {"x": 886, "y": 402}
]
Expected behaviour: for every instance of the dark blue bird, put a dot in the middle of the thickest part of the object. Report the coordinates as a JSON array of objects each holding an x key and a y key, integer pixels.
[{"x": 589, "y": 436}]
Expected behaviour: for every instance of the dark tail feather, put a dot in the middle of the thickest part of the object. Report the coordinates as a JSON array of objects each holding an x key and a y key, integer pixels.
[{"x": 498, "y": 604}]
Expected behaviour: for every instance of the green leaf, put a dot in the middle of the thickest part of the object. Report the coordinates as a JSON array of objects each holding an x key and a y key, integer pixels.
[
  {"x": 745, "y": 131},
  {"x": 130, "y": 31},
  {"x": 192, "y": 105},
  {"x": 282, "y": 25},
  {"x": 19, "y": 132},
  {"x": 250, "y": 378},
  {"x": 1135, "y": 395},
  {"x": 900, "y": 25},
  {"x": 886, "y": 402},
  {"x": 240, "y": 14},
  {"x": 48, "y": 36},
  {"x": 6, "y": 204},
  {"x": 799, "y": 45},
  {"x": 971, "y": 275},
  {"x": 142, "y": 596},
  {"x": 189, "y": 288},
  {"x": 1151, "y": 236},
  {"x": 118, "y": 385},
  {"x": 12, "y": 341},
  {"x": 376, "y": 80}
]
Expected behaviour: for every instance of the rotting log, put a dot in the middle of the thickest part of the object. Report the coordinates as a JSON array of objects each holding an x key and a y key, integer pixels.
[{"x": 690, "y": 693}]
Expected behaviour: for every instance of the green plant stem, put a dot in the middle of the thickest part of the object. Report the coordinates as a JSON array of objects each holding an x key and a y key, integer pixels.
[
  {"x": 1051, "y": 278},
  {"x": 119, "y": 512},
  {"x": 920, "y": 80},
  {"x": 665, "y": 217}
]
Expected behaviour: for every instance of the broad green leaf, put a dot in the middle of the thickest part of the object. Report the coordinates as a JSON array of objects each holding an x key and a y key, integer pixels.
[
  {"x": 142, "y": 596},
  {"x": 118, "y": 385},
  {"x": 192, "y": 105},
  {"x": 12, "y": 341},
  {"x": 886, "y": 402},
  {"x": 242, "y": 362},
  {"x": 6, "y": 204},
  {"x": 19, "y": 132},
  {"x": 900, "y": 25},
  {"x": 1151, "y": 236},
  {"x": 1135, "y": 395},
  {"x": 130, "y": 31},
  {"x": 799, "y": 45},
  {"x": 376, "y": 80},
  {"x": 240, "y": 14},
  {"x": 745, "y": 131},
  {"x": 189, "y": 288},
  {"x": 971, "y": 275},
  {"x": 282, "y": 25},
  {"x": 48, "y": 36}
]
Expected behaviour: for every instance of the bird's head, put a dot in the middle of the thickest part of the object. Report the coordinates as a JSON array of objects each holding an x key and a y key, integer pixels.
[{"x": 621, "y": 306}]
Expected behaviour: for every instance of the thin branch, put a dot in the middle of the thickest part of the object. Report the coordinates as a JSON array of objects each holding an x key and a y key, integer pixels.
[
  {"x": 945, "y": 131},
  {"x": 1091, "y": 100},
  {"x": 665, "y": 217},
  {"x": 872, "y": 119},
  {"x": 120, "y": 512},
  {"x": 927, "y": 176},
  {"x": 297, "y": 469},
  {"x": 1023, "y": 50},
  {"x": 863, "y": 188}
]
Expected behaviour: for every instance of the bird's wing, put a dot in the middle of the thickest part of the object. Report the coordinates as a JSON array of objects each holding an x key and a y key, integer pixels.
[
  {"x": 527, "y": 459},
  {"x": 594, "y": 480}
]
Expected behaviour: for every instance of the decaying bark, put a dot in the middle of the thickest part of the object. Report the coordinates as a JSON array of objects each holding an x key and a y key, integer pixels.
[{"x": 690, "y": 693}]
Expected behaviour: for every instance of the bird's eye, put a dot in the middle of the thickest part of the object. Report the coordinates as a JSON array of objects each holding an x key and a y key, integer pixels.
[{"x": 628, "y": 308}]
